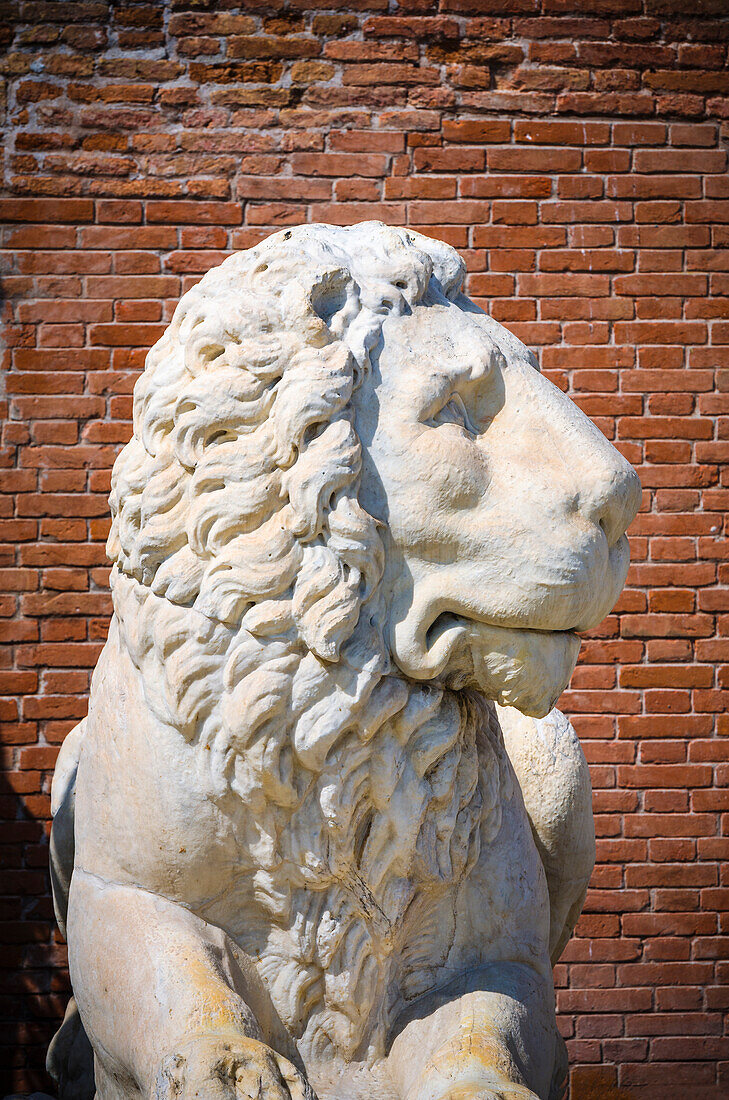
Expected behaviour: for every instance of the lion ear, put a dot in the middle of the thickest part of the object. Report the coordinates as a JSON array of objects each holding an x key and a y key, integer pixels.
[{"x": 326, "y": 602}]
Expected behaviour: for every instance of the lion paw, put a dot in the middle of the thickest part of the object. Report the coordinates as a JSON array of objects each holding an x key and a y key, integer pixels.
[
  {"x": 481, "y": 1092},
  {"x": 215, "y": 1068},
  {"x": 472, "y": 1090}
]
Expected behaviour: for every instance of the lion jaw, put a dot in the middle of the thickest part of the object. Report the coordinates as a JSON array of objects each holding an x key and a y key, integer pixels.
[{"x": 525, "y": 669}]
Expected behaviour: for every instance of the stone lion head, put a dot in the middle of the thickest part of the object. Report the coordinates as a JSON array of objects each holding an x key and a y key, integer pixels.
[{"x": 328, "y": 417}]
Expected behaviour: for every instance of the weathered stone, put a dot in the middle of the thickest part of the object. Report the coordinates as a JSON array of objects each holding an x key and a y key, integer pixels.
[{"x": 314, "y": 847}]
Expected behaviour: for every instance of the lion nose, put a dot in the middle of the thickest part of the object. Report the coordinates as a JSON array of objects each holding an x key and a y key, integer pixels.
[{"x": 611, "y": 497}]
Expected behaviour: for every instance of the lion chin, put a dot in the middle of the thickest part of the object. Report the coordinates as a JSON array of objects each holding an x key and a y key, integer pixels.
[{"x": 525, "y": 669}]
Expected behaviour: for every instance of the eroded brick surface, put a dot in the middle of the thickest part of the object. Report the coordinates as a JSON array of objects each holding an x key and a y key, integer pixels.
[{"x": 576, "y": 154}]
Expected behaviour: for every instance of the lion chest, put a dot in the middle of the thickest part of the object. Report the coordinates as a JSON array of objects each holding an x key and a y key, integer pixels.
[
  {"x": 360, "y": 915},
  {"x": 336, "y": 873}
]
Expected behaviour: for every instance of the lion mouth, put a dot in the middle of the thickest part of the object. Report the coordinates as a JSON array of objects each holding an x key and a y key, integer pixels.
[
  {"x": 449, "y": 620},
  {"x": 447, "y": 640},
  {"x": 517, "y": 667}
]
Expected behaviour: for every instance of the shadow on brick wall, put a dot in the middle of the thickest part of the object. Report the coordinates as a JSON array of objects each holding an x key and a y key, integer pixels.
[{"x": 33, "y": 959}]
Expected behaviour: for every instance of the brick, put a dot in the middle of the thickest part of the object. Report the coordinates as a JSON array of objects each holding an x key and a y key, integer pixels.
[
  {"x": 673, "y": 160},
  {"x": 562, "y": 133},
  {"x": 43, "y": 210},
  {"x": 366, "y": 141},
  {"x": 384, "y": 74},
  {"x": 431, "y": 213},
  {"x": 338, "y": 164},
  {"x": 570, "y": 212},
  {"x": 564, "y": 285},
  {"x": 196, "y": 213},
  {"x": 493, "y": 186},
  {"x": 519, "y": 159},
  {"x": 665, "y": 775},
  {"x": 448, "y": 160},
  {"x": 471, "y": 131},
  {"x": 414, "y": 26},
  {"x": 371, "y": 51}
]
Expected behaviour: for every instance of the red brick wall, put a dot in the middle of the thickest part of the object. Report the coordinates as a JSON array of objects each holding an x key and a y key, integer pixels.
[{"x": 573, "y": 151}]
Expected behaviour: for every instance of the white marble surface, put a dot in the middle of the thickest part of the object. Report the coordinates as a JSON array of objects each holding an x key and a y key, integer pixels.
[{"x": 316, "y": 849}]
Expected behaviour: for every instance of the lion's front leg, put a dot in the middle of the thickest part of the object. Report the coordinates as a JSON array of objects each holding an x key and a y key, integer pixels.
[
  {"x": 216, "y": 1067},
  {"x": 172, "y": 1007},
  {"x": 555, "y": 783},
  {"x": 488, "y": 1036}
]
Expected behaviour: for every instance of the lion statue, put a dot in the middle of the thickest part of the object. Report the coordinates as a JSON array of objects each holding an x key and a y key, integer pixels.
[{"x": 321, "y": 834}]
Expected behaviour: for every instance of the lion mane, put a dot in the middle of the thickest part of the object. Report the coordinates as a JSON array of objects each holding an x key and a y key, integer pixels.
[{"x": 246, "y": 590}]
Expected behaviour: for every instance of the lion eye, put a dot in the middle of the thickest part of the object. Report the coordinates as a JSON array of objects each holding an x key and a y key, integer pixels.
[{"x": 454, "y": 412}]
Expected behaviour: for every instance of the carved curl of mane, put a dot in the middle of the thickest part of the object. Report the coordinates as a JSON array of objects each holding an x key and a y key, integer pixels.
[{"x": 246, "y": 592}]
